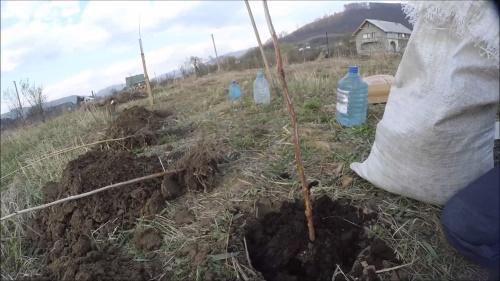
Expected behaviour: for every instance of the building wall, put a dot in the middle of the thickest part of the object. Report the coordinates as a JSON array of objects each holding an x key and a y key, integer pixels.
[
  {"x": 381, "y": 42},
  {"x": 377, "y": 43}
]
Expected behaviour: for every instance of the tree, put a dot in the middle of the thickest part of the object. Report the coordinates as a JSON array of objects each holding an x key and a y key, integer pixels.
[
  {"x": 14, "y": 102},
  {"x": 34, "y": 95}
]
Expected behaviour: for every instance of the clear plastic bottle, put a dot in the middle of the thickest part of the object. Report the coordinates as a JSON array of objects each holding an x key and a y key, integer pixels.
[
  {"x": 352, "y": 99},
  {"x": 261, "y": 94},
  {"x": 234, "y": 91}
]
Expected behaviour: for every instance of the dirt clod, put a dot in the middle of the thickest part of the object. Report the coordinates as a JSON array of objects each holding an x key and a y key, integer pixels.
[
  {"x": 183, "y": 216},
  {"x": 139, "y": 123},
  {"x": 170, "y": 188},
  {"x": 199, "y": 167},
  {"x": 147, "y": 239},
  {"x": 279, "y": 247}
]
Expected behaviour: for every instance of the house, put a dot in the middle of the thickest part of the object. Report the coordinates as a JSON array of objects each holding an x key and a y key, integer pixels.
[{"x": 376, "y": 36}]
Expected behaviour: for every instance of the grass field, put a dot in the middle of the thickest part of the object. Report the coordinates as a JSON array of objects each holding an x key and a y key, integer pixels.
[{"x": 260, "y": 135}]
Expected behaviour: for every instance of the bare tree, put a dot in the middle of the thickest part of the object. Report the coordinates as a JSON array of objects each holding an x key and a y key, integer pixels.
[
  {"x": 13, "y": 102},
  {"x": 34, "y": 95}
]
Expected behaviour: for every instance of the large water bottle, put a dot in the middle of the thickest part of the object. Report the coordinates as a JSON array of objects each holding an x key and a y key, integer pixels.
[
  {"x": 234, "y": 91},
  {"x": 352, "y": 99},
  {"x": 261, "y": 93}
]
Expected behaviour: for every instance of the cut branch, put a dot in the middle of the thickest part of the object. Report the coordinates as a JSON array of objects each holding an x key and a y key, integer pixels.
[
  {"x": 74, "y": 197},
  {"x": 293, "y": 119}
]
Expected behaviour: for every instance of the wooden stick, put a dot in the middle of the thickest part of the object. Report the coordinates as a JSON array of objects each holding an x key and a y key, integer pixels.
[
  {"x": 256, "y": 31},
  {"x": 146, "y": 77},
  {"x": 74, "y": 197},
  {"x": 61, "y": 151},
  {"x": 293, "y": 119},
  {"x": 216, "y": 56},
  {"x": 393, "y": 268}
]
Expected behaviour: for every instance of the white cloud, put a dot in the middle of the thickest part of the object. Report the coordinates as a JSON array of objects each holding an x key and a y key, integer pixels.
[
  {"x": 46, "y": 29},
  {"x": 51, "y": 28}
]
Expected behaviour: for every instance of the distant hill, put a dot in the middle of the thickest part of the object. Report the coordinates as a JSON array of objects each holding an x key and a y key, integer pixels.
[
  {"x": 109, "y": 90},
  {"x": 73, "y": 99},
  {"x": 346, "y": 22}
]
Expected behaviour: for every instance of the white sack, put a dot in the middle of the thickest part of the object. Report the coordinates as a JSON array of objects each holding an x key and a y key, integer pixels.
[{"x": 437, "y": 132}]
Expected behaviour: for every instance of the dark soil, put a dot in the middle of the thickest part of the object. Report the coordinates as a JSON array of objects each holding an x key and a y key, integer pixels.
[
  {"x": 139, "y": 123},
  {"x": 279, "y": 247},
  {"x": 62, "y": 231},
  {"x": 147, "y": 239},
  {"x": 199, "y": 167}
]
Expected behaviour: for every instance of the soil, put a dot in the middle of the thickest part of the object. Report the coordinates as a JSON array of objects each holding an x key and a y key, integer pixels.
[
  {"x": 199, "y": 167},
  {"x": 147, "y": 239},
  {"x": 279, "y": 247},
  {"x": 139, "y": 123},
  {"x": 74, "y": 237},
  {"x": 62, "y": 231}
]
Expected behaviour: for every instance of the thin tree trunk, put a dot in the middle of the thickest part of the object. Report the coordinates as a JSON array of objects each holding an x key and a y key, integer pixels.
[{"x": 293, "y": 119}]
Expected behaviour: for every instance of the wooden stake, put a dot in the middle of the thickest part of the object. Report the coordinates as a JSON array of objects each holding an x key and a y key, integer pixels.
[
  {"x": 20, "y": 108},
  {"x": 256, "y": 31},
  {"x": 216, "y": 56},
  {"x": 146, "y": 77},
  {"x": 74, "y": 197},
  {"x": 293, "y": 119}
]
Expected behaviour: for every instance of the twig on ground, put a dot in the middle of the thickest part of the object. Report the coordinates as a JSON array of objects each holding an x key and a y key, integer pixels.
[
  {"x": 74, "y": 197},
  {"x": 393, "y": 268},
  {"x": 293, "y": 119}
]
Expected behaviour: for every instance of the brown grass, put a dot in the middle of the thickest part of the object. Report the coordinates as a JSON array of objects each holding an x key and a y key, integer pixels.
[{"x": 258, "y": 140}]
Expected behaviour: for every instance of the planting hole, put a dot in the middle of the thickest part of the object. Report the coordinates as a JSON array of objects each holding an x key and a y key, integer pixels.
[{"x": 279, "y": 248}]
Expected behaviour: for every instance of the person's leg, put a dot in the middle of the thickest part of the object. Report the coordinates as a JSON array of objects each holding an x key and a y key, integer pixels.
[{"x": 470, "y": 221}]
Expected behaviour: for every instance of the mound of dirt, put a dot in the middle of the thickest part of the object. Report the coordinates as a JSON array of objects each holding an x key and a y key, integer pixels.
[
  {"x": 139, "y": 123},
  {"x": 62, "y": 230},
  {"x": 279, "y": 247}
]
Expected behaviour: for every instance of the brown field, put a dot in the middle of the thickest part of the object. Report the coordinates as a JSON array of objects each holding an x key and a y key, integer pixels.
[{"x": 234, "y": 164}]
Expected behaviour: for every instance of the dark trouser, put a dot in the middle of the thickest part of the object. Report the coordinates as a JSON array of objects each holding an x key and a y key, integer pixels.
[{"x": 471, "y": 221}]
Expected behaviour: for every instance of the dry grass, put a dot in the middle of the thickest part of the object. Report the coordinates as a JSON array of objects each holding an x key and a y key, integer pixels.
[{"x": 261, "y": 137}]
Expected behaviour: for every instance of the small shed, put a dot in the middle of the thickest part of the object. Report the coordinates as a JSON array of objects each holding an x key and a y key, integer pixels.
[{"x": 135, "y": 81}]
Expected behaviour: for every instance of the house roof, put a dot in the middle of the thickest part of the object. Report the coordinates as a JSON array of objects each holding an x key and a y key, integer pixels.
[{"x": 386, "y": 26}]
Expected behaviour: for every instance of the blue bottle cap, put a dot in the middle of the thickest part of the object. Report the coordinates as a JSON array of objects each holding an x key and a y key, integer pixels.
[{"x": 353, "y": 69}]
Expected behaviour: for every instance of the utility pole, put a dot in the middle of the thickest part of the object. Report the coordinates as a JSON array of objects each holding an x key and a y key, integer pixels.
[
  {"x": 258, "y": 41},
  {"x": 146, "y": 77},
  {"x": 216, "y": 56},
  {"x": 20, "y": 108},
  {"x": 327, "y": 47}
]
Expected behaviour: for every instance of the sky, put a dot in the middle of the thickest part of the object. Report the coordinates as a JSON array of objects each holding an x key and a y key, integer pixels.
[{"x": 71, "y": 47}]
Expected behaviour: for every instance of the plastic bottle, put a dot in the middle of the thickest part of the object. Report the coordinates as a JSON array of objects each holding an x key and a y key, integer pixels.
[
  {"x": 234, "y": 91},
  {"x": 261, "y": 93},
  {"x": 352, "y": 99}
]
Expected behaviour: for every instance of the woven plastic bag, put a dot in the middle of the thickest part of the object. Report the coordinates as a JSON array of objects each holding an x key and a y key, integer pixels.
[{"x": 437, "y": 132}]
